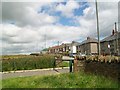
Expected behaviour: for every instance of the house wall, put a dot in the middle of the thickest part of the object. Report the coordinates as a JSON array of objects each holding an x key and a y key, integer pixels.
[
  {"x": 82, "y": 49},
  {"x": 112, "y": 50},
  {"x": 89, "y": 48},
  {"x": 119, "y": 45},
  {"x": 104, "y": 48}
]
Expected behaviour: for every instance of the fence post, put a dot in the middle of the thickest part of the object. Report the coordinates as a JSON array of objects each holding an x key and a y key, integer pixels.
[
  {"x": 75, "y": 68},
  {"x": 54, "y": 63},
  {"x": 14, "y": 66},
  {"x": 70, "y": 65}
]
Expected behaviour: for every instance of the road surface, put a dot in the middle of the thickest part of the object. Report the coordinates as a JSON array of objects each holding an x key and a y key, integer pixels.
[{"x": 40, "y": 72}]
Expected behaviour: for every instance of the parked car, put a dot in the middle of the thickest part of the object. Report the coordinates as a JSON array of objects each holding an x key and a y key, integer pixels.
[{"x": 72, "y": 54}]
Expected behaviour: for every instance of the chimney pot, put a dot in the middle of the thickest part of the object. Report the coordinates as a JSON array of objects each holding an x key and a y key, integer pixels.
[
  {"x": 113, "y": 32},
  {"x": 88, "y": 38}
]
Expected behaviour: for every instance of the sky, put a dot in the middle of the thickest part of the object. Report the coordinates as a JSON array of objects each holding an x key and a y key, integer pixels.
[{"x": 31, "y": 26}]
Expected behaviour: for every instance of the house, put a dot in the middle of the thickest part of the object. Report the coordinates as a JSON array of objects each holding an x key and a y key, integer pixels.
[
  {"x": 60, "y": 48},
  {"x": 88, "y": 46},
  {"x": 68, "y": 47},
  {"x": 54, "y": 49},
  {"x": 111, "y": 44}
]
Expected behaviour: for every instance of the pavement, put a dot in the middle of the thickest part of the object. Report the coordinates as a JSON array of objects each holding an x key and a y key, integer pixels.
[{"x": 40, "y": 72}]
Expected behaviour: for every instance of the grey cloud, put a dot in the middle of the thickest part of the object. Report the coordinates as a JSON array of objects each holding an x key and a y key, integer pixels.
[{"x": 23, "y": 14}]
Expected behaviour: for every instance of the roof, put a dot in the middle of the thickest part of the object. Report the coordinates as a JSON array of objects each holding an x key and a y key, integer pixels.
[
  {"x": 75, "y": 43},
  {"x": 60, "y": 46},
  {"x": 54, "y": 47},
  {"x": 89, "y": 40},
  {"x": 111, "y": 37}
]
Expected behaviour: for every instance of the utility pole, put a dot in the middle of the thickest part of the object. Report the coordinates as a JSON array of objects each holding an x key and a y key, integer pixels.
[
  {"x": 58, "y": 43},
  {"x": 116, "y": 39},
  {"x": 98, "y": 29}
]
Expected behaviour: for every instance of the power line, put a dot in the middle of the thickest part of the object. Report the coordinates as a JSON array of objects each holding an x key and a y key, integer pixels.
[{"x": 108, "y": 26}]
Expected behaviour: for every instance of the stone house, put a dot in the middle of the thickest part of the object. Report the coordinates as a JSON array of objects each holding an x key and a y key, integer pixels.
[
  {"x": 88, "y": 47},
  {"x": 111, "y": 44}
]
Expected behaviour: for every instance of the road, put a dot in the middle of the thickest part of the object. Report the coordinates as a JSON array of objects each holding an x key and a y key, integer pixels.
[{"x": 40, "y": 72}]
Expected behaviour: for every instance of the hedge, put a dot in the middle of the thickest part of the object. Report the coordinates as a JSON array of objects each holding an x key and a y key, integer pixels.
[{"x": 28, "y": 62}]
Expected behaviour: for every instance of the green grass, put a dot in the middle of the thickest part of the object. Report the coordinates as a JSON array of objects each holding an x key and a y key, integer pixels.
[
  {"x": 0, "y": 83},
  {"x": 63, "y": 64},
  {"x": 70, "y": 80}
]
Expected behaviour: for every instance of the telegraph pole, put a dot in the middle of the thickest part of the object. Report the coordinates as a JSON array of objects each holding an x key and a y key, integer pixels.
[{"x": 98, "y": 29}]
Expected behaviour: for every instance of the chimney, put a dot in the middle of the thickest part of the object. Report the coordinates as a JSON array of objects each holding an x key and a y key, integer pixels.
[
  {"x": 73, "y": 41},
  {"x": 88, "y": 38},
  {"x": 113, "y": 32}
]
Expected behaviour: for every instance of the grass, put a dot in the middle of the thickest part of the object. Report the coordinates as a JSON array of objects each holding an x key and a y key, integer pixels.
[
  {"x": 69, "y": 80},
  {"x": 64, "y": 64},
  {"x": 0, "y": 83}
]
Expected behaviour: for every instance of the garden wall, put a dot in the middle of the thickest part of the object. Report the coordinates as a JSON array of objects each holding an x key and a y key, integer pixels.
[{"x": 100, "y": 68}]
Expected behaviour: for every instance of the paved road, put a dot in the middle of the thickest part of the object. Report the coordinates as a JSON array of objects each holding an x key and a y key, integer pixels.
[{"x": 34, "y": 72}]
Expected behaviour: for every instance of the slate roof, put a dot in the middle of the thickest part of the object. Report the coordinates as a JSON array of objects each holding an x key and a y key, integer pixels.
[
  {"x": 75, "y": 43},
  {"x": 110, "y": 38}
]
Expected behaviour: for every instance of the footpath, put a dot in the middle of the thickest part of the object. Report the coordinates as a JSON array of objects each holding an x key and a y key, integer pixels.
[{"x": 40, "y": 72}]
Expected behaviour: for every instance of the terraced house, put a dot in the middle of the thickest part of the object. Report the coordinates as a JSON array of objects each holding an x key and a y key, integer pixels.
[
  {"x": 67, "y": 47},
  {"x": 111, "y": 44},
  {"x": 59, "y": 48}
]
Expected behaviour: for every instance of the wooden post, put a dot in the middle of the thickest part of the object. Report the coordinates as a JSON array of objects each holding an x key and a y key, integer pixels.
[{"x": 75, "y": 68}]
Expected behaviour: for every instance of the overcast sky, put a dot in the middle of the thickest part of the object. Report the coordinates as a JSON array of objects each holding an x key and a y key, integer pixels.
[{"x": 25, "y": 24}]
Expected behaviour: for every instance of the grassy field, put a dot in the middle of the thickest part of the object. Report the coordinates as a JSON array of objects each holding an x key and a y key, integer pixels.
[{"x": 69, "y": 80}]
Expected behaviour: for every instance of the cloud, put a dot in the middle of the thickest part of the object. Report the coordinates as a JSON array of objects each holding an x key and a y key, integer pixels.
[
  {"x": 68, "y": 8},
  {"x": 14, "y": 34},
  {"x": 27, "y": 38},
  {"x": 23, "y": 14}
]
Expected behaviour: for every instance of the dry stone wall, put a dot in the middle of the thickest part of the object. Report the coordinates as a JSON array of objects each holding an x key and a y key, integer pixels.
[{"x": 108, "y": 69}]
